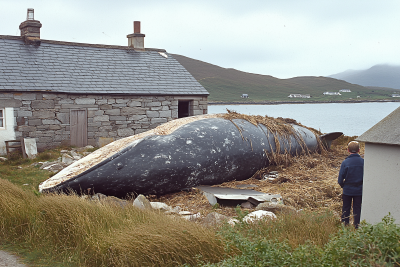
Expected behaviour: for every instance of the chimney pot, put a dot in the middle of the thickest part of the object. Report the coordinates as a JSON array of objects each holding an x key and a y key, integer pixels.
[
  {"x": 136, "y": 27},
  {"x": 30, "y": 14}
]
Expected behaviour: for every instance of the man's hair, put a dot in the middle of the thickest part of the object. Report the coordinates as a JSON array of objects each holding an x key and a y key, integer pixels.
[{"x": 353, "y": 147}]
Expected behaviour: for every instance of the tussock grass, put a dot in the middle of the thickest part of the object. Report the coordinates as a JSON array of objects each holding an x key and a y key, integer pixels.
[
  {"x": 296, "y": 228},
  {"x": 73, "y": 230}
]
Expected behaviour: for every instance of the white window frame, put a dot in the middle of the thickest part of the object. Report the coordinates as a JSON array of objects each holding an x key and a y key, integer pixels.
[{"x": 3, "y": 118}]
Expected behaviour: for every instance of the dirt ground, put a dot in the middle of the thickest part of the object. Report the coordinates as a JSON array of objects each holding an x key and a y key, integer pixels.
[{"x": 306, "y": 182}]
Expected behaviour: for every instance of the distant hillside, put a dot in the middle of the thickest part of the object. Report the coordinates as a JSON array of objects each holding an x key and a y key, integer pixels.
[
  {"x": 379, "y": 75},
  {"x": 229, "y": 84}
]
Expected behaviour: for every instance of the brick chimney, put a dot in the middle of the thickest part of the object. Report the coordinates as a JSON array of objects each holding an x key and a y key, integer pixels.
[
  {"x": 30, "y": 29},
  {"x": 136, "y": 39}
]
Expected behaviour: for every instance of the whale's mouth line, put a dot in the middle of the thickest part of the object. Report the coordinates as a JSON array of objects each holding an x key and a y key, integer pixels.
[{"x": 97, "y": 157}]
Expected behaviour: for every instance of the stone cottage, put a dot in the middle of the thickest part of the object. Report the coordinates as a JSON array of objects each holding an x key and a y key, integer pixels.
[
  {"x": 64, "y": 93},
  {"x": 382, "y": 169}
]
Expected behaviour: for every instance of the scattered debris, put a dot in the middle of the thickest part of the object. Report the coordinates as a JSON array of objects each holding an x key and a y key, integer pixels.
[
  {"x": 233, "y": 197},
  {"x": 215, "y": 219},
  {"x": 275, "y": 207},
  {"x": 271, "y": 176},
  {"x": 30, "y": 147}
]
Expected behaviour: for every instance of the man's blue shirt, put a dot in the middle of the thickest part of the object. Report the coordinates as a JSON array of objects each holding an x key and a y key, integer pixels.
[{"x": 351, "y": 175}]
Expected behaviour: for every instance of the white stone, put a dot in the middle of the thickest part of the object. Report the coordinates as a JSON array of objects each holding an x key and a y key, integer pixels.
[
  {"x": 259, "y": 215},
  {"x": 160, "y": 206},
  {"x": 67, "y": 159},
  {"x": 142, "y": 202}
]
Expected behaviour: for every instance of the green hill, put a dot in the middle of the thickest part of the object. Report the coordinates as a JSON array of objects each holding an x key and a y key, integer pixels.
[{"x": 228, "y": 85}]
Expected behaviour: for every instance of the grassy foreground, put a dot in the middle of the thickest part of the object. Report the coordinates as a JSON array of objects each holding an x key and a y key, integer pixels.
[
  {"x": 60, "y": 230},
  {"x": 71, "y": 230},
  {"x": 311, "y": 239}
]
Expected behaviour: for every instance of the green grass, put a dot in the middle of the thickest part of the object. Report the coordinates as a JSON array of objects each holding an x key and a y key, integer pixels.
[{"x": 301, "y": 240}]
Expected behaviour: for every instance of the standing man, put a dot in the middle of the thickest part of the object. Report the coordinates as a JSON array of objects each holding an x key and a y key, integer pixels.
[{"x": 351, "y": 180}]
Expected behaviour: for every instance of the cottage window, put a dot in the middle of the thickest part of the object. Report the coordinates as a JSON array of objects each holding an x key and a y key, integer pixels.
[
  {"x": 184, "y": 108},
  {"x": 2, "y": 122}
]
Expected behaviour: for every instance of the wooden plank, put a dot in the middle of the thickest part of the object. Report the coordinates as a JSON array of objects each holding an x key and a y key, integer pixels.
[
  {"x": 23, "y": 148},
  {"x": 78, "y": 127}
]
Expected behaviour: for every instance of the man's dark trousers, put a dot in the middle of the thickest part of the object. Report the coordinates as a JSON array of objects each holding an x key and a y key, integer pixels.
[{"x": 356, "y": 209}]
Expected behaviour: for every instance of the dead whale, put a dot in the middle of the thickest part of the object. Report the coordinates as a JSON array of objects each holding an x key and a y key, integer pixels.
[{"x": 200, "y": 150}]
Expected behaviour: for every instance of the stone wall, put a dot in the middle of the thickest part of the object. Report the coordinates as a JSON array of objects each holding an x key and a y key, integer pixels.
[{"x": 46, "y": 116}]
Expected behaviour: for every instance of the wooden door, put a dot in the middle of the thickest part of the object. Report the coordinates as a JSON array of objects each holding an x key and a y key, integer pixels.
[{"x": 78, "y": 127}]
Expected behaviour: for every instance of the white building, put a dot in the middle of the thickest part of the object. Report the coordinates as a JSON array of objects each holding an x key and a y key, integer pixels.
[
  {"x": 245, "y": 96},
  {"x": 299, "y": 96},
  {"x": 345, "y": 90},
  {"x": 381, "y": 170},
  {"x": 332, "y": 93},
  {"x": 395, "y": 95}
]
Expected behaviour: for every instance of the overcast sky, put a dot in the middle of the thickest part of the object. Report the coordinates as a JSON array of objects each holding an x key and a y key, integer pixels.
[{"x": 282, "y": 38}]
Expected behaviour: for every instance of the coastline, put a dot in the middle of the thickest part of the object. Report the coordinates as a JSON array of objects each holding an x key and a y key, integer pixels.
[{"x": 296, "y": 102}]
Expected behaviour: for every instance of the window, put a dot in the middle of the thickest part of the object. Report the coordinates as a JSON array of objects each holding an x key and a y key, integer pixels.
[
  {"x": 2, "y": 124},
  {"x": 184, "y": 109}
]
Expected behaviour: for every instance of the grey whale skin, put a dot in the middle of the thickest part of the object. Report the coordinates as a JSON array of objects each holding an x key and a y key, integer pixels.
[{"x": 207, "y": 152}]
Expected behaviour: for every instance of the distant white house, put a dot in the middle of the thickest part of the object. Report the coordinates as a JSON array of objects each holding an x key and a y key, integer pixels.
[
  {"x": 381, "y": 170},
  {"x": 332, "y": 93},
  {"x": 345, "y": 90},
  {"x": 299, "y": 96},
  {"x": 245, "y": 96},
  {"x": 395, "y": 95}
]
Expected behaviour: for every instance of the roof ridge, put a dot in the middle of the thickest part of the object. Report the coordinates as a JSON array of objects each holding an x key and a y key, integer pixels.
[{"x": 11, "y": 37}]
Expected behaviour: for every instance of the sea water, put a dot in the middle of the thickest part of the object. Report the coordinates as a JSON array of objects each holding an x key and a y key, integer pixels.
[{"x": 353, "y": 119}]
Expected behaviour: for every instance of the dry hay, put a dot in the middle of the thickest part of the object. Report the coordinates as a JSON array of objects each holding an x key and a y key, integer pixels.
[{"x": 281, "y": 129}]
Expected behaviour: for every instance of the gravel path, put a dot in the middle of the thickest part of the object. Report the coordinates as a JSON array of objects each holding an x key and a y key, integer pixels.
[{"x": 9, "y": 260}]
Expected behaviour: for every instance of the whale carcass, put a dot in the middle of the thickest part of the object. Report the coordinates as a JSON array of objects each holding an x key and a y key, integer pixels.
[{"x": 199, "y": 150}]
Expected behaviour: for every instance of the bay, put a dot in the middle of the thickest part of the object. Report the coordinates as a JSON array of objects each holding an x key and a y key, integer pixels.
[{"x": 353, "y": 119}]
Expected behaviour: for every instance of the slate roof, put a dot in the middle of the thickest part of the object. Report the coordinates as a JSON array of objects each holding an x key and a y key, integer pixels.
[
  {"x": 387, "y": 131},
  {"x": 84, "y": 68}
]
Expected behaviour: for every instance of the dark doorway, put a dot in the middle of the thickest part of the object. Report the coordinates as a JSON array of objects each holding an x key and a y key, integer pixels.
[
  {"x": 183, "y": 109},
  {"x": 78, "y": 127}
]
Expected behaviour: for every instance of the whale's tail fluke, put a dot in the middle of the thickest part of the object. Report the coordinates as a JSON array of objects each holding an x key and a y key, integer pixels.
[{"x": 329, "y": 137}]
